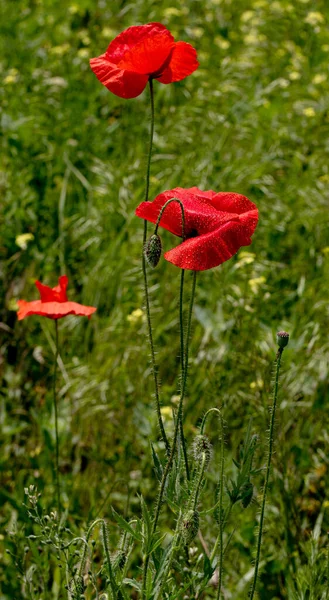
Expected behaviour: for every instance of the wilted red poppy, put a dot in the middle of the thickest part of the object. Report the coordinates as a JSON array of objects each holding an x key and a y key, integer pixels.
[
  {"x": 141, "y": 53},
  {"x": 53, "y": 304},
  {"x": 216, "y": 225}
]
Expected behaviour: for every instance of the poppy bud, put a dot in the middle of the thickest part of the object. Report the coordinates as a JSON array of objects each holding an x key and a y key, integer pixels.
[
  {"x": 282, "y": 338},
  {"x": 202, "y": 446},
  {"x": 120, "y": 558},
  {"x": 152, "y": 250},
  {"x": 190, "y": 526},
  {"x": 247, "y": 494}
]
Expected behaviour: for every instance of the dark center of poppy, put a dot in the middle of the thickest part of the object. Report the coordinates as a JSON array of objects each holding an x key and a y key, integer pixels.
[
  {"x": 192, "y": 234},
  {"x": 159, "y": 72}
]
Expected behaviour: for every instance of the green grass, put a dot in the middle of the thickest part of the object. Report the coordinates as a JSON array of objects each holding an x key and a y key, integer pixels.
[{"x": 253, "y": 119}]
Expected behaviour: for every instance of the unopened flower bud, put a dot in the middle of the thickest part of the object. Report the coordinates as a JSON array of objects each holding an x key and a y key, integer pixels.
[
  {"x": 120, "y": 559},
  {"x": 152, "y": 250},
  {"x": 190, "y": 526},
  {"x": 247, "y": 494},
  {"x": 282, "y": 338},
  {"x": 202, "y": 447}
]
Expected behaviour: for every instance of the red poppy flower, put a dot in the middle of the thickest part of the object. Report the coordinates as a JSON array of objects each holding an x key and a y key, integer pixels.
[
  {"x": 141, "y": 53},
  {"x": 53, "y": 303},
  {"x": 216, "y": 225}
]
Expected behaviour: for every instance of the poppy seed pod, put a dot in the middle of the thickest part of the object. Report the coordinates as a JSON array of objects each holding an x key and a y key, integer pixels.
[
  {"x": 282, "y": 338},
  {"x": 190, "y": 526},
  {"x": 152, "y": 250},
  {"x": 202, "y": 446}
]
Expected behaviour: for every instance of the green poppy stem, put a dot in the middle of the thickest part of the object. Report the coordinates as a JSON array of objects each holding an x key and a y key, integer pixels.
[
  {"x": 146, "y": 290},
  {"x": 183, "y": 365},
  {"x": 267, "y": 474},
  {"x": 56, "y": 421},
  {"x": 174, "y": 443}
]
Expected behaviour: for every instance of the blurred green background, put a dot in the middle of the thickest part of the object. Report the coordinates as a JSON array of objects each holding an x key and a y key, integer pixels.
[{"x": 253, "y": 119}]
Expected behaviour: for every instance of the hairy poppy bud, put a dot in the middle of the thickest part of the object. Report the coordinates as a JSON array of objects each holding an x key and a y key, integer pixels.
[
  {"x": 282, "y": 338},
  {"x": 120, "y": 559},
  {"x": 247, "y": 494},
  {"x": 190, "y": 526},
  {"x": 202, "y": 446},
  {"x": 152, "y": 250}
]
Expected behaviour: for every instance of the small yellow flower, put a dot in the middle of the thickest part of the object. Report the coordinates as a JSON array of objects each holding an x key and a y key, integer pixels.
[
  {"x": 166, "y": 412},
  {"x": 23, "y": 239},
  {"x": 136, "y": 315},
  {"x": 309, "y": 112},
  {"x": 319, "y": 78},
  {"x": 172, "y": 11},
  {"x": 294, "y": 75},
  {"x": 221, "y": 43},
  {"x": 256, "y": 283},
  {"x": 314, "y": 18},
  {"x": 247, "y": 16},
  {"x": 83, "y": 52}
]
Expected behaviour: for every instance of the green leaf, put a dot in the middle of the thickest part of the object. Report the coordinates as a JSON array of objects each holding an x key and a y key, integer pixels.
[
  {"x": 157, "y": 464},
  {"x": 124, "y": 525}
]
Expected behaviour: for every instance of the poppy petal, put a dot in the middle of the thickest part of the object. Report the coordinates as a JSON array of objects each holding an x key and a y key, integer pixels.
[
  {"x": 149, "y": 56},
  {"x": 120, "y": 82},
  {"x": 211, "y": 249},
  {"x": 126, "y": 40},
  {"x": 200, "y": 216},
  {"x": 183, "y": 63},
  {"x": 52, "y": 310},
  {"x": 63, "y": 281}
]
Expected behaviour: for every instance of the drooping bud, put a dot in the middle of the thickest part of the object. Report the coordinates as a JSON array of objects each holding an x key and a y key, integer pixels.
[
  {"x": 247, "y": 494},
  {"x": 282, "y": 338},
  {"x": 202, "y": 447},
  {"x": 190, "y": 526},
  {"x": 152, "y": 250},
  {"x": 120, "y": 559}
]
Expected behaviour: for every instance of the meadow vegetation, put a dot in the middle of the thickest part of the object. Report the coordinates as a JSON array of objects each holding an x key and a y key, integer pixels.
[{"x": 254, "y": 118}]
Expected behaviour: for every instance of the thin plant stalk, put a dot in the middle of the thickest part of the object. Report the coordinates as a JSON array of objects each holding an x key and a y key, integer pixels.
[
  {"x": 198, "y": 487},
  {"x": 181, "y": 322},
  {"x": 56, "y": 420},
  {"x": 174, "y": 443},
  {"x": 267, "y": 474},
  {"x": 327, "y": 586},
  {"x": 181, "y": 328},
  {"x": 146, "y": 290},
  {"x": 222, "y": 518}
]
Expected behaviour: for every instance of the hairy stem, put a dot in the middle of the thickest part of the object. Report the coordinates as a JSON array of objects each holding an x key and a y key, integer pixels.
[
  {"x": 267, "y": 474},
  {"x": 181, "y": 328},
  {"x": 56, "y": 422},
  {"x": 198, "y": 487},
  {"x": 181, "y": 323},
  {"x": 222, "y": 518},
  {"x": 146, "y": 290},
  {"x": 174, "y": 443}
]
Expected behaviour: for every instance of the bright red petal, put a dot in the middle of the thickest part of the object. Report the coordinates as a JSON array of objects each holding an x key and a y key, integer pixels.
[
  {"x": 200, "y": 215},
  {"x": 56, "y": 294},
  {"x": 47, "y": 294},
  {"x": 124, "y": 84},
  {"x": 150, "y": 56},
  {"x": 132, "y": 36},
  {"x": 61, "y": 288},
  {"x": 52, "y": 310},
  {"x": 183, "y": 63},
  {"x": 211, "y": 249}
]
